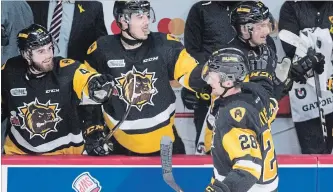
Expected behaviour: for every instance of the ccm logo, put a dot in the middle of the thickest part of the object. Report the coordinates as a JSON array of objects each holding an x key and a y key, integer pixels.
[
  {"x": 150, "y": 59},
  {"x": 52, "y": 91}
]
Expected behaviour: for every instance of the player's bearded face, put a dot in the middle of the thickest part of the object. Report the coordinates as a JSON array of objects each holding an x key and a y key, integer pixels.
[
  {"x": 260, "y": 32},
  {"x": 42, "y": 58},
  {"x": 139, "y": 25}
]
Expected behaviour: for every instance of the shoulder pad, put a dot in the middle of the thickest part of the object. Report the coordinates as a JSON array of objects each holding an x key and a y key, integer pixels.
[
  {"x": 66, "y": 62},
  {"x": 171, "y": 37},
  {"x": 237, "y": 113},
  {"x": 92, "y": 48}
]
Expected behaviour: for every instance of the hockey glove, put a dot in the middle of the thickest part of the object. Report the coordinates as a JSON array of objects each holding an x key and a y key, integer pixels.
[
  {"x": 191, "y": 99},
  {"x": 217, "y": 186},
  {"x": 318, "y": 63},
  {"x": 303, "y": 66},
  {"x": 94, "y": 141},
  {"x": 100, "y": 88},
  {"x": 330, "y": 84}
]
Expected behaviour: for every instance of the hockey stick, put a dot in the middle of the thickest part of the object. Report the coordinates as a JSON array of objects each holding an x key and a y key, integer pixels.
[
  {"x": 117, "y": 126},
  {"x": 296, "y": 41},
  {"x": 166, "y": 160},
  {"x": 293, "y": 39}
]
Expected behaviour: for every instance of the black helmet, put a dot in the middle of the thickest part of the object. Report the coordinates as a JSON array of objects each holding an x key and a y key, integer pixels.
[
  {"x": 126, "y": 7},
  {"x": 230, "y": 63},
  {"x": 33, "y": 37},
  {"x": 249, "y": 12}
]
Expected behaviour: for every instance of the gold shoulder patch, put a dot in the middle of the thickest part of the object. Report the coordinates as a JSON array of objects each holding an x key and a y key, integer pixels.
[
  {"x": 92, "y": 48},
  {"x": 237, "y": 113},
  {"x": 66, "y": 62},
  {"x": 171, "y": 37}
]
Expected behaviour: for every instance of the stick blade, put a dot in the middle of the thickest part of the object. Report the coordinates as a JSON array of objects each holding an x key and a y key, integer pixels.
[
  {"x": 293, "y": 39},
  {"x": 166, "y": 161}
]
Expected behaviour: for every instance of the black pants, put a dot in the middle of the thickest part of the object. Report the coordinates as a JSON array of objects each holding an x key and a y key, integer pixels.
[
  {"x": 200, "y": 112},
  {"x": 310, "y": 136},
  {"x": 178, "y": 147}
]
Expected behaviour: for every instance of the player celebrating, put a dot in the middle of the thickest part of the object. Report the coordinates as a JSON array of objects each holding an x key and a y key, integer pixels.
[
  {"x": 40, "y": 93},
  {"x": 242, "y": 147},
  {"x": 253, "y": 22},
  {"x": 142, "y": 64}
]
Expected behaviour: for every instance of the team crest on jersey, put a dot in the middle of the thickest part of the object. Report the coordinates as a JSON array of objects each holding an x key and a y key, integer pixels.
[
  {"x": 39, "y": 119},
  {"x": 137, "y": 87},
  {"x": 237, "y": 113}
]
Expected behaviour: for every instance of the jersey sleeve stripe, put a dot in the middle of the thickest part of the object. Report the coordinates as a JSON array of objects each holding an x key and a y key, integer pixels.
[{"x": 249, "y": 166}]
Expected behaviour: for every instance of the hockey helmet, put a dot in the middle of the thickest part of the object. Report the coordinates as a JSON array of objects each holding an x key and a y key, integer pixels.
[
  {"x": 33, "y": 37},
  {"x": 127, "y": 7},
  {"x": 229, "y": 63},
  {"x": 248, "y": 12}
]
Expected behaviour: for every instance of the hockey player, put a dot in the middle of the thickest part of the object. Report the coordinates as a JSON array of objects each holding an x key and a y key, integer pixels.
[
  {"x": 40, "y": 93},
  {"x": 242, "y": 147},
  {"x": 253, "y": 23},
  {"x": 142, "y": 63}
]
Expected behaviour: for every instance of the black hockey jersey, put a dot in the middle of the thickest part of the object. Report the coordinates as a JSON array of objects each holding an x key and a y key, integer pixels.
[
  {"x": 143, "y": 78},
  {"x": 42, "y": 111},
  {"x": 242, "y": 145}
]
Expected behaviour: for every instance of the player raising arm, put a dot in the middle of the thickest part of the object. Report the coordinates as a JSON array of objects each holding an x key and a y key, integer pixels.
[
  {"x": 143, "y": 63},
  {"x": 242, "y": 147}
]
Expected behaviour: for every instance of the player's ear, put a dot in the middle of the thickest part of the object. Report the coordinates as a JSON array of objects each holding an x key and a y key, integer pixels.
[
  {"x": 244, "y": 31},
  {"x": 25, "y": 55},
  {"x": 123, "y": 23},
  {"x": 228, "y": 83}
]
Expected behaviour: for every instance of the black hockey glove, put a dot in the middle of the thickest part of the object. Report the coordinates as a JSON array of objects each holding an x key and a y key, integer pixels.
[
  {"x": 94, "y": 141},
  {"x": 330, "y": 84},
  {"x": 191, "y": 99},
  {"x": 311, "y": 61},
  {"x": 217, "y": 186},
  {"x": 100, "y": 88}
]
